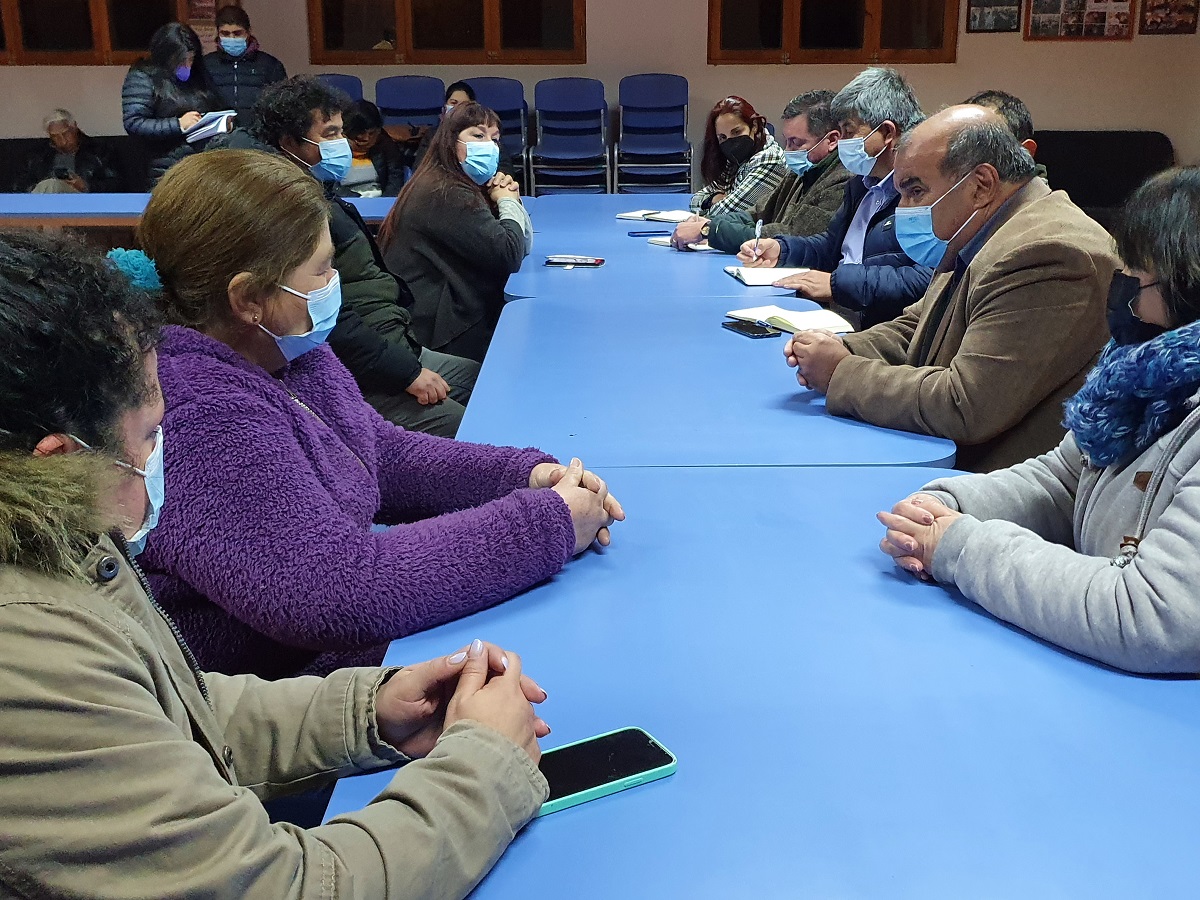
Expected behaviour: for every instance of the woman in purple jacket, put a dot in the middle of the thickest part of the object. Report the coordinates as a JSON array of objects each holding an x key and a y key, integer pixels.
[{"x": 278, "y": 468}]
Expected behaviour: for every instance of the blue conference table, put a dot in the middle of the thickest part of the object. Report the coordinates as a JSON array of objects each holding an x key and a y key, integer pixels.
[
  {"x": 635, "y": 379},
  {"x": 560, "y": 212},
  {"x": 842, "y": 730},
  {"x": 632, "y": 267},
  {"x": 115, "y": 209}
]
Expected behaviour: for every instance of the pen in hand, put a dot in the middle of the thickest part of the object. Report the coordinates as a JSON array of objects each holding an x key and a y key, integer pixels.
[{"x": 757, "y": 234}]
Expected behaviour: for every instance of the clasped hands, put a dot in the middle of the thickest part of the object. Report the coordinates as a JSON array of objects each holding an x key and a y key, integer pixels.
[
  {"x": 914, "y": 527},
  {"x": 593, "y": 508},
  {"x": 480, "y": 682}
]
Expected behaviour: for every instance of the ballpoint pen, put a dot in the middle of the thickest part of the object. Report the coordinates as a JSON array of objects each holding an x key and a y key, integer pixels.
[{"x": 757, "y": 235}]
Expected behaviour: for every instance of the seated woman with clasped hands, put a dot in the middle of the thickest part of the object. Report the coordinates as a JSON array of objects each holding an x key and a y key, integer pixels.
[
  {"x": 1095, "y": 546},
  {"x": 266, "y": 555}
]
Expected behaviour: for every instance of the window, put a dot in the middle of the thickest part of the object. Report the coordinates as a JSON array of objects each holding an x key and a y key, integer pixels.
[
  {"x": 832, "y": 31},
  {"x": 82, "y": 32},
  {"x": 453, "y": 32}
]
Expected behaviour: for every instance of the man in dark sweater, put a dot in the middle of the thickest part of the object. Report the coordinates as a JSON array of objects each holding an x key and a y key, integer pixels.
[
  {"x": 806, "y": 199},
  {"x": 239, "y": 69},
  {"x": 410, "y": 385}
]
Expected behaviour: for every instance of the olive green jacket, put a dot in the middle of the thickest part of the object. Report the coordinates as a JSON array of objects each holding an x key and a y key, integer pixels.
[{"x": 125, "y": 773}]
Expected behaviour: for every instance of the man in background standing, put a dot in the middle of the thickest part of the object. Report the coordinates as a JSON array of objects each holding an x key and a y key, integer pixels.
[{"x": 239, "y": 69}]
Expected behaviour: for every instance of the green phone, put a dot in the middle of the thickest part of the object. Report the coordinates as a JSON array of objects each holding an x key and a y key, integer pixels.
[{"x": 598, "y": 766}]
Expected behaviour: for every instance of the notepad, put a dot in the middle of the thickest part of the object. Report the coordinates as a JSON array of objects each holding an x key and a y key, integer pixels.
[
  {"x": 210, "y": 125},
  {"x": 657, "y": 215},
  {"x": 700, "y": 246},
  {"x": 761, "y": 277},
  {"x": 793, "y": 321}
]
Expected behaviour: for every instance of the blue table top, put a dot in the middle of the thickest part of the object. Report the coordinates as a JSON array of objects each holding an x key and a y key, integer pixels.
[
  {"x": 632, "y": 266},
  {"x": 131, "y": 205},
  {"x": 637, "y": 380},
  {"x": 562, "y": 212},
  {"x": 842, "y": 730}
]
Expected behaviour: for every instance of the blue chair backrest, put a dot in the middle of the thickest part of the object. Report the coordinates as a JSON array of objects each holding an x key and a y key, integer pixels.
[
  {"x": 348, "y": 84},
  {"x": 504, "y": 95},
  {"x": 654, "y": 91},
  {"x": 411, "y": 99},
  {"x": 573, "y": 107}
]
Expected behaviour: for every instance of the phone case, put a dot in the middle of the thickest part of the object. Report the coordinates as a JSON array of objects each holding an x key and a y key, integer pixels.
[
  {"x": 570, "y": 262},
  {"x": 613, "y": 787}
]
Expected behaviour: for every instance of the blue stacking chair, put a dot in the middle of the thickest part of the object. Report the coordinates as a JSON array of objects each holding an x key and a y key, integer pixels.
[
  {"x": 571, "y": 151},
  {"x": 410, "y": 100},
  {"x": 652, "y": 153},
  {"x": 348, "y": 84},
  {"x": 506, "y": 98}
]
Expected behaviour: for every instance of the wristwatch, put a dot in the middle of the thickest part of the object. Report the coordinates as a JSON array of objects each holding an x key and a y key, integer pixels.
[{"x": 705, "y": 228}]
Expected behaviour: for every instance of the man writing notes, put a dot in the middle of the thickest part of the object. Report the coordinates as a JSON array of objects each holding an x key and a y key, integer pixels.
[{"x": 857, "y": 265}]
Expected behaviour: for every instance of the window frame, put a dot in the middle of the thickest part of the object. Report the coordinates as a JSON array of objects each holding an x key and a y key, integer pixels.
[
  {"x": 405, "y": 54},
  {"x": 791, "y": 53},
  {"x": 101, "y": 54}
]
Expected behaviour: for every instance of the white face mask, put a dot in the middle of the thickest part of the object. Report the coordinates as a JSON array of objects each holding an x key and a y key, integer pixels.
[
  {"x": 155, "y": 488},
  {"x": 853, "y": 154}
]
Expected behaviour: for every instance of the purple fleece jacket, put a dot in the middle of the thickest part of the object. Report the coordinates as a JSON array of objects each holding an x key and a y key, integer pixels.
[{"x": 264, "y": 554}]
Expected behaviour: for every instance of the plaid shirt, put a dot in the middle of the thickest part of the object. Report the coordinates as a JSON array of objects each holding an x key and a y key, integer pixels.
[{"x": 756, "y": 180}]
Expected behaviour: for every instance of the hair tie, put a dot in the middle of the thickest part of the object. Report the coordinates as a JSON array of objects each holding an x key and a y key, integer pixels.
[{"x": 138, "y": 268}]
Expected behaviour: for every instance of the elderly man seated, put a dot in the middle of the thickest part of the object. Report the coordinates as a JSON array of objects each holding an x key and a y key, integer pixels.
[
  {"x": 72, "y": 163},
  {"x": 1015, "y": 314}
]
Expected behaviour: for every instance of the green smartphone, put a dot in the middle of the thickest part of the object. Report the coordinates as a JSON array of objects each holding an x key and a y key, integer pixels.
[{"x": 598, "y": 766}]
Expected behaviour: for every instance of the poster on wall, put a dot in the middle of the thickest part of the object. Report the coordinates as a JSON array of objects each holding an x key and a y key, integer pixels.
[
  {"x": 202, "y": 9},
  {"x": 1080, "y": 20},
  {"x": 1169, "y": 17},
  {"x": 993, "y": 16}
]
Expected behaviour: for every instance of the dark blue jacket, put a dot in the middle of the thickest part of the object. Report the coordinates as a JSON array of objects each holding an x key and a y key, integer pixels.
[
  {"x": 239, "y": 80},
  {"x": 887, "y": 280},
  {"x": 152, "y": 102}
]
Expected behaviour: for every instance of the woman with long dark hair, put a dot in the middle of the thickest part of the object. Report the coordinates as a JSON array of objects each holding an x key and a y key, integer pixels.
[
  {"x": 456, "y": 232},
  {"x": 165, "y": 94},
  {"x": 1093, "y": 546},
  {"x": 741, "y": 163}
]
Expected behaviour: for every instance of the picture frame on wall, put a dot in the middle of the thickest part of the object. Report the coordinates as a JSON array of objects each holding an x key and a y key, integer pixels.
[
  {"x": 1080, "y": 20},
  {"x": 993, "y": 16},
  {"x": 1169, "y": 16}
]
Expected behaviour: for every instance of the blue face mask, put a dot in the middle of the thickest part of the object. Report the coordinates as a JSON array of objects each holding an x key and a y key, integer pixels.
[
  {"x": 483, "y": 160},
  {"x": 183, "y": 73},
  {"x": 234, "y": 46},
  {"x": 155, "y": 488},
  {"x": 914, "y": 231},
  {"x": 853, "y": 154},
  {"x": 798, "y": 161},
  {"x": 323, "y": 308},
  {"x": 336, "y": 159}
]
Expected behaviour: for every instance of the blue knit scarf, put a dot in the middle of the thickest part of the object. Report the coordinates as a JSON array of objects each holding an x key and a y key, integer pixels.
[{"x": 1136, "y": 394}]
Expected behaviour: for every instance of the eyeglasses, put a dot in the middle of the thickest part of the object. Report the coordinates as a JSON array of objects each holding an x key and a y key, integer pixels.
[{"x": 1134, "y": 298}]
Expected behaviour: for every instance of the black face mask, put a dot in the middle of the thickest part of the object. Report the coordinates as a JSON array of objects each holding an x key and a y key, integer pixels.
[
  {"x": 1125, "y": 327},
  {"x": 738, "y": 149}
]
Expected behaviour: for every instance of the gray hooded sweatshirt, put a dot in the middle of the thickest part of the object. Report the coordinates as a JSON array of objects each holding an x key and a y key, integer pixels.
[{"x": 1102, "y": 561}]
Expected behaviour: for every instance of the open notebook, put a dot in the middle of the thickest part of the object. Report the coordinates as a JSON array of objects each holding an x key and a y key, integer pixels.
[
  {"x": 657, "y": 215},
  {"x": 210, "y": 125},
  {"x": 702, "y": 246},
  {"x": 760, "y": 277},
  {"x": 790, "y": 320}
]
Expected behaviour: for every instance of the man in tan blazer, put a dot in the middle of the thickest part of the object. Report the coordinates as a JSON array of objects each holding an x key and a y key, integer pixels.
[{"x": 1013, "y": 319}]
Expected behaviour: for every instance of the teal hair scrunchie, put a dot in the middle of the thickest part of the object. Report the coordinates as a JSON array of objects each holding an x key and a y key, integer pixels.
[{"x": 138, "y": 268}]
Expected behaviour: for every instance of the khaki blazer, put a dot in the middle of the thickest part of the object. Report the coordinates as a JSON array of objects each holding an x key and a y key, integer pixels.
[{"x": 991, "y": 365}]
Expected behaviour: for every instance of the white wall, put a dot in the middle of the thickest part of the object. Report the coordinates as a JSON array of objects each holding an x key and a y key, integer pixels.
[{"x": 1147, "y": 83}]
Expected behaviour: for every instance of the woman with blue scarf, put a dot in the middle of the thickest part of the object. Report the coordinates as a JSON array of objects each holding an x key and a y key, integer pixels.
[{"x": 1095, "y": 546}]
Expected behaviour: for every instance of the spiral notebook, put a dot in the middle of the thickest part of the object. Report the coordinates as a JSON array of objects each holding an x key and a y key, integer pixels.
[
  {"x": 760, "y": 277},
  {"x": 701, "y": 246},
  {"x": 657, "y": 215}
]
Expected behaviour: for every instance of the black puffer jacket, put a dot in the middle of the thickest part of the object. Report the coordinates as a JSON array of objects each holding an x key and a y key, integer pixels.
[
  {"x": 152, "y": 100},
  {"x": 239, "y": 81}
]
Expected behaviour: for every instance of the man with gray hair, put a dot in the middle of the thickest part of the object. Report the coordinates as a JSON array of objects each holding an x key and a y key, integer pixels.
[
  {"x": 73, "y": 163},
  {"x": 809, "y": 195},
  {"x": 1013, "y": 319},
  {"x": 857, "y": 265}
]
